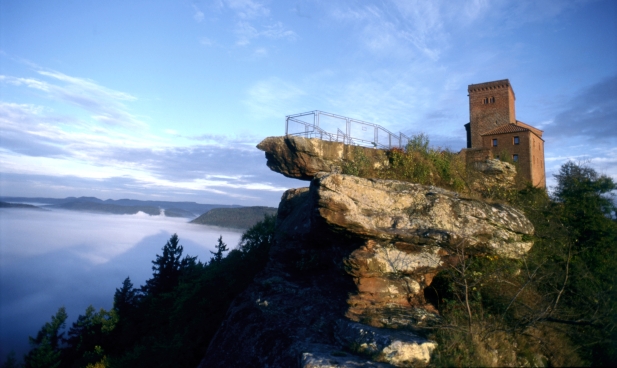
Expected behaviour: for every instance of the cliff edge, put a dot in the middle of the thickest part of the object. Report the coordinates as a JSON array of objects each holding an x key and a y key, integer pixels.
[{"x": 344, "y": 286}]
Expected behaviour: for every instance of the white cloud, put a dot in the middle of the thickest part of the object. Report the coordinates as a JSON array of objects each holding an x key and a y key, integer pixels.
[
  {"x": 410, "y": 28},
  {"x": 205, "y": 41},
  {"x": 246, "y": 32},
  {"x": 260, "y": 52},
  {"x": 198, "y": 15},
  {"x": 106, "y": 105},
  {"x": 247, "y": 9},
  {"x": 272, "y": 98},
  {"x": 38, "y": 143}
]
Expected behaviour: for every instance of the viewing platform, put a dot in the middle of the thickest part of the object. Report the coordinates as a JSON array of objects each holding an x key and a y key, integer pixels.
[{"x": 322, "y": 125}]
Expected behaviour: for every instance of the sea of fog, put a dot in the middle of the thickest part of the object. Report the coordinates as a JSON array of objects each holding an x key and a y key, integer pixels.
[{"x": 50, "y": 259}]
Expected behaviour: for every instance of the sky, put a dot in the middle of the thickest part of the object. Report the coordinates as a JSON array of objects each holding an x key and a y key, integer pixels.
[{"x": 166, "y": 100}]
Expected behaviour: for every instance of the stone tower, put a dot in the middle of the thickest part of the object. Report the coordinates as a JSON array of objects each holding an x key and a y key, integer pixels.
[
  {"x": 491, "y": 105},
  {"x": 494, "y": 132}
]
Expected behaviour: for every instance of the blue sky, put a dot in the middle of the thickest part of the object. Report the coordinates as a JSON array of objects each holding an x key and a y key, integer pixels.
[{"x": 167, "y": 99}]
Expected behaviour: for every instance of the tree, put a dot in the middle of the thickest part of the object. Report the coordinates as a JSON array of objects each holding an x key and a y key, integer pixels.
[
  {"x": 588, "y": 213},
  {"x": 167, "y": 268},
  {"x": 125, "y": 299},
  {"x": 45, "y": 352},
  {"x": 259, "y": 237},
  {"x": 87, "y": 335},
  {"x": 220, "y": 248}
]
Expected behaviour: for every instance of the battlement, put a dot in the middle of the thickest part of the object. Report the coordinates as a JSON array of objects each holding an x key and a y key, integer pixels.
[{"x": 490, "y": 86}]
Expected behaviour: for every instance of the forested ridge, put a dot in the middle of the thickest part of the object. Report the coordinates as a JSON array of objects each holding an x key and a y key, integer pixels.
[
  {"x": 555, "y": 307},
  {"x": 239, "y": 218}
]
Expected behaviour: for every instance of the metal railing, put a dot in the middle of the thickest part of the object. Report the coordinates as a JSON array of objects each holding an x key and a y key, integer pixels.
[{"x": 311, "y": 125}]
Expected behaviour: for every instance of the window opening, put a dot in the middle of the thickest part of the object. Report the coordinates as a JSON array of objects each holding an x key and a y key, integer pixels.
[
  {"x": 492, "y": 99},
  {"x": 495, "y": 142},
  {"x": 516, "y": 140},
  {"x": 515, "y": 158}
]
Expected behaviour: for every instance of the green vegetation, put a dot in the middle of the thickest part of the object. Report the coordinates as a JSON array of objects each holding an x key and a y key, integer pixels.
[
  {"x": 418, "y": 163},
  {"x": 238, "y": 218},
  {"x": 557, "y": 305},
  {"x": 168, "y": 322}
]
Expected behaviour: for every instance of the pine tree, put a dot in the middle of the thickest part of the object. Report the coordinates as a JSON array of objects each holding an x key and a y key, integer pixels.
[
  {"x": 167, "y": 268},
  {"x": 125, "y": 299},
  {"x": 220, "y": 248}
]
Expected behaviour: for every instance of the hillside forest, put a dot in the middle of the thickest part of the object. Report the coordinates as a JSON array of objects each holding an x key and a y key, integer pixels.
[{"x": 555, "y": 307}]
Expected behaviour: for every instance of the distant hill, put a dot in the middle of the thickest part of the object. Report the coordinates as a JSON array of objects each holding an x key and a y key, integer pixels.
[
  {"x": 20, "y": 205},
  {"x": 172, "y": 209},
  {"x": 239, "y": 218},
  {"x": 107, "y": 208},
  {"x": 177, "y": 212}
]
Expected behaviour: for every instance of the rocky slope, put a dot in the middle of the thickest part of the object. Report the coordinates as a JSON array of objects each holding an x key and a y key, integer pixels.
[{"x": 345, "y": 283}]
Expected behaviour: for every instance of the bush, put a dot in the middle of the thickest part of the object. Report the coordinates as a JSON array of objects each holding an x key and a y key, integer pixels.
[{"x": 418, "y": 163}]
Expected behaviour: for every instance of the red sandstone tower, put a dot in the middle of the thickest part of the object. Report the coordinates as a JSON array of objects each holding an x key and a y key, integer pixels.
[{"x": 493, "y": 130}]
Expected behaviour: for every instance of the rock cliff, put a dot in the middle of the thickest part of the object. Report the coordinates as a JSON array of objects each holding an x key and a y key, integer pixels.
[
  {"x": 302, "y": 158},
  {"x": 345, "y": 283}
]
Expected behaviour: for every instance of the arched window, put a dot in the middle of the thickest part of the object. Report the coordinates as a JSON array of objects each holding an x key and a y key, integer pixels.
[
  {"x": 492, "y": 99},
  {"x": 485, "y": 101}
]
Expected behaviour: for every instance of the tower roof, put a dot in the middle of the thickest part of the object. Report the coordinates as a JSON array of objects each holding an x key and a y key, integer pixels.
[{"x": 514, "y": 128}]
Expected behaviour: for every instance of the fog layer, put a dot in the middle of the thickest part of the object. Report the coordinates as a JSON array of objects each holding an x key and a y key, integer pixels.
[{"x": 50, "y": 259}]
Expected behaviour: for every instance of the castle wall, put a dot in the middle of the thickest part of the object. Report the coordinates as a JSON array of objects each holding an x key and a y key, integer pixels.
[
  {"x": 530, "y": 151},
  {"x": 476, "y": 154},
  {"x": 538, "y": 172}
]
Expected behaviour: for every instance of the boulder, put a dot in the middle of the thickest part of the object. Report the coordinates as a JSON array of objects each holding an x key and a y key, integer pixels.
[
  {"x": 491, "y": 175},
  {"x": 302, "y": 158},
  {"x": 326, "y": 356},
  {"x": 395, "y": 347}
]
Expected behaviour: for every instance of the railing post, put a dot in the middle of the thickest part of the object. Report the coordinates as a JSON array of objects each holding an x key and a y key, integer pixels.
[{"x": 376, "y": 136}]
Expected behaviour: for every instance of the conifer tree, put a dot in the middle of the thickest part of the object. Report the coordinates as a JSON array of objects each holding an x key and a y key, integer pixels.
[
  {"x": 167, "y": 268},
  {"x": 220, "y": 248},
  {"x": 125, "y": 299}
]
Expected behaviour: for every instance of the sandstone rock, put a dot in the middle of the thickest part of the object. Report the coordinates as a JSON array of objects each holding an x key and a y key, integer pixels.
[
  {"x": 397, "y": 211},
  {"x": 326, "y": 356},
  {"x": 492, "y": 174},
  {"x": 399, "y": 348},
  {"x": 364, "y": 250},
  {"x": 302, "y": 158},
  {"x": 409, "y": 232}
]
